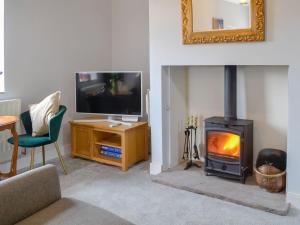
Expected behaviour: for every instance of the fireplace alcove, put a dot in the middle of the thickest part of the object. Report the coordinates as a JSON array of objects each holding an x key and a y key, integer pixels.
[{"x": 262, "y": 96}]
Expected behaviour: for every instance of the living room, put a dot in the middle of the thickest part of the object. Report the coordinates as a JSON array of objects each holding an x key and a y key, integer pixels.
[{"x": 48, "y": 44}]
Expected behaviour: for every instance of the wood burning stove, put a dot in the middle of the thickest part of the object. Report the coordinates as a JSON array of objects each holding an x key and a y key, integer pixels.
[{"x": 229, "y": 141}]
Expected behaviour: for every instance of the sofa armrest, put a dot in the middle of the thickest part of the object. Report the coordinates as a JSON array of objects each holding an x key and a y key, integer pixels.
[{"x": 25, "y": 194}]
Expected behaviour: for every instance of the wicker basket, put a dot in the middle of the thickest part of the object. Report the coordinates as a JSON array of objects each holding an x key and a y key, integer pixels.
[{"x": 271, "y": 182}]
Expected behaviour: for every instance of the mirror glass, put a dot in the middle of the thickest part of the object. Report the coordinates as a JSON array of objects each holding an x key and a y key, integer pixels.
[{"x": 210, "y": 15}]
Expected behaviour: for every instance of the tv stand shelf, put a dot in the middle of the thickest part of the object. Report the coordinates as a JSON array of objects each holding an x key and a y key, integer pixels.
[{"x": 88, "y": 137}]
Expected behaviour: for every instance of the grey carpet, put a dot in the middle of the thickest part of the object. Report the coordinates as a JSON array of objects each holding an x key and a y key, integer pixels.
[
  {"x": 134, "y": 197},
  {"x": 248, "y": 194}
]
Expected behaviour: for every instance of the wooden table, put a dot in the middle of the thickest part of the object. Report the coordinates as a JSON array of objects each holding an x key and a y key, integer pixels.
[{"x": 9, "y": 123}]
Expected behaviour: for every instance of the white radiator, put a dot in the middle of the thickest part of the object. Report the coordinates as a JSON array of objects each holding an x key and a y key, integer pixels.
[{"x": 8, "y": 107}]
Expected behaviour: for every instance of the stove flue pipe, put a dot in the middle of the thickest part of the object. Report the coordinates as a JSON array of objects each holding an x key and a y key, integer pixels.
[{"x": 230, "y": 95}]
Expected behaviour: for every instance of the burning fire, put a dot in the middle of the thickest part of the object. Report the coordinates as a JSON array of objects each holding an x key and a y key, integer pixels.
[{"x": 224, "y": 144}]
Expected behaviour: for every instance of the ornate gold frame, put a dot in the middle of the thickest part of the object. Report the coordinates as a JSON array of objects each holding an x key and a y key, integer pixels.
[{"x": 255, "y": 33}]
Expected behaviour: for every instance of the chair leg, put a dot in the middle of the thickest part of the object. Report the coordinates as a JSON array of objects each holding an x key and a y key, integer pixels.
[
  {"x": 60, "y": 158},
  {"x": 32, "y": 158},
  {"x": 43, "y": 153}
]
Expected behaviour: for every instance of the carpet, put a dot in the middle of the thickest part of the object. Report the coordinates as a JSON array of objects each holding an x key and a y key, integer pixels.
[{"x": 133, "y": 196}]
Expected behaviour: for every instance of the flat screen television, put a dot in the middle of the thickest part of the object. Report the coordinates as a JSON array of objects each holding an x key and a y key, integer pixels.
[{"x": 109, "y": 93}]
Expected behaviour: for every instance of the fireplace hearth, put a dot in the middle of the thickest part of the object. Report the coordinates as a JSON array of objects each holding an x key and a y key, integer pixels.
[{"x": 229, "y": 141}]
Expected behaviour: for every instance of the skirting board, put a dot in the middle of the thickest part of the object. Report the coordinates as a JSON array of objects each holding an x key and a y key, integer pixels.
[
  {"x": 24, "y": 161},
  {"x": 294, "y": 199},
  {"x": 155, "y": 168}
]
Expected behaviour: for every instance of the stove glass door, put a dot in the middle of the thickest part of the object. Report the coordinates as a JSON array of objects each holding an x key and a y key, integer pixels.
[{"x": 223, "y": 144}]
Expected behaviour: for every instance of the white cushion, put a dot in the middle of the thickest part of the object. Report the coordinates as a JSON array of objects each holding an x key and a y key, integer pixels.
[{"x": 42, "y": 112}]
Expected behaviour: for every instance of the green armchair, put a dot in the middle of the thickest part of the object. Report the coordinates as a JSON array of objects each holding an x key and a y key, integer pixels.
[{"x": 28, "y": 141}]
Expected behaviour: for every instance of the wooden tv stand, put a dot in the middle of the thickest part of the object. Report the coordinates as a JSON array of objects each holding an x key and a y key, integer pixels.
[{"x": 87, "y": 139}]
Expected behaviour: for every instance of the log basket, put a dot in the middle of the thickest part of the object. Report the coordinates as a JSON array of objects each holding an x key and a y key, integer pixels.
[
  {"x": 270, "y": 170},
  {"x": 271, "y": 182}
]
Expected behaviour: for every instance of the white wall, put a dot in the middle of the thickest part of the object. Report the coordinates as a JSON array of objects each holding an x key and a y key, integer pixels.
[
  {"x": 175, "y": 118},
  {"x": 280, "y": 48},
  {"x": 47, "y": 41},
  {"x": 130, "y": 37},
  {"x": 1, "y": 45}
]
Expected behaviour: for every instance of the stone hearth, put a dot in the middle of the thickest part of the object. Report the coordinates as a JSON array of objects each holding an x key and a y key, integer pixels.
[{"x": 249, "y": 194}]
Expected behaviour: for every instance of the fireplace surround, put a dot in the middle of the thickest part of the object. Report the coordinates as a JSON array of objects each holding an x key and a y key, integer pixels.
[
  {"x": 281, "y": 49},
  {"x": 229, "y": 141}
]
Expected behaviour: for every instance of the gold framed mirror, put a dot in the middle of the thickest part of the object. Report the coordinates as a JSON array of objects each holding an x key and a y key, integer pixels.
[{"x": 222, "y": 21}]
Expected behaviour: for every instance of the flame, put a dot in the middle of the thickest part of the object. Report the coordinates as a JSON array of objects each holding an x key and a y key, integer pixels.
[{"x": 225, "y": 144}]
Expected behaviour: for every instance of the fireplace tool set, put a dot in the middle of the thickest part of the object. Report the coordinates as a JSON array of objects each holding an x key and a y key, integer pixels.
[{"x": 191, "y": 152}]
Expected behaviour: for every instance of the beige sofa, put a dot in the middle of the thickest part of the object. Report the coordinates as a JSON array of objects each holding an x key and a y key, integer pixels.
[{"x": 34, "y": 198}]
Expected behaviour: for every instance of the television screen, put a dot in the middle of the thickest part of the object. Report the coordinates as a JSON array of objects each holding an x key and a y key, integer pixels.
[{"x": 110, "y": 93}]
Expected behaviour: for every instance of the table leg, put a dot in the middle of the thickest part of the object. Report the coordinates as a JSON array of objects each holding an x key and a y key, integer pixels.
[{"x": 13, "y": 167}]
